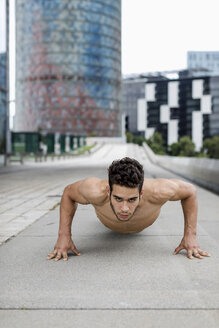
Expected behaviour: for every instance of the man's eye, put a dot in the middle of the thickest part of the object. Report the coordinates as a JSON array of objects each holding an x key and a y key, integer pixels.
[
  {"x": 118, "y": 199},
  {"x": 132, "y": 200}
]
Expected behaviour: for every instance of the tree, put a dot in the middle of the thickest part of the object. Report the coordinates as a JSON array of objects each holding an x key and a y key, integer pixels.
[
  {"x": 175, "y": 149},
  {"x": 211, "y": 147},
  {"x": 187, "y": 147},
  {"x": 184, "y": 147},
  {"x": 139, "y": 140},
  {"x": 129, "y": 137},
  {"x": 155, "y": 142}
]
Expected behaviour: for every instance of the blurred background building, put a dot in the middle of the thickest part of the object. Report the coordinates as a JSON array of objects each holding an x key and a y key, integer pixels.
[
  {"x": 68, "y": 67},
  {"x": 3, "y": 95},
  {"x": 208, "y": 60},
  {"x": 132, "y": 90}
]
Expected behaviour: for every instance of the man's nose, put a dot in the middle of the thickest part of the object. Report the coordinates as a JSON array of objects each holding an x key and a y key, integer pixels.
[{"x": 125, "y": 207}]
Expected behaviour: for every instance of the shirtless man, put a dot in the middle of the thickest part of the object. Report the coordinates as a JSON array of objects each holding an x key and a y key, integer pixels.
[{"x": 127, "y": 203}]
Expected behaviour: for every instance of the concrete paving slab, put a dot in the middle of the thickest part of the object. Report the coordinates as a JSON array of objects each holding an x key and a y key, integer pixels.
[
  {"x": 110, "y": 318},
  {"x": 5, "y": 218}
]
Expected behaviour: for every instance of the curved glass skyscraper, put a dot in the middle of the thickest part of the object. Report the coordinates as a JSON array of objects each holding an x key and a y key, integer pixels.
[{"x": 68, "y": 66}]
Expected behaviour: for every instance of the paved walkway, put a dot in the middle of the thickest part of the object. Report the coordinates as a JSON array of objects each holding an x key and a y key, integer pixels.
[{"x": 119, "y": 280}]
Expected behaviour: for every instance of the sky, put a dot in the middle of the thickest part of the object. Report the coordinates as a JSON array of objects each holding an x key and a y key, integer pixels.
[
  {"x": 156, "y": 34},
  {"x": 11, "y": 50},
  {"x": 2, "y": 26}
]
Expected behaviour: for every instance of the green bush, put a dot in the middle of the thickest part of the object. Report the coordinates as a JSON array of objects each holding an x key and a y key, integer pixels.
[
  {"x": 187, "y": 147},
  {"x": 184, "y": 147},
  {"x": 155, "y": 142},
  {"x": 129, "y": 137},
  {"x": 175, "y": 149},
  {"x": 211, "y": 147},
  {"x": 138, "y": 140}
]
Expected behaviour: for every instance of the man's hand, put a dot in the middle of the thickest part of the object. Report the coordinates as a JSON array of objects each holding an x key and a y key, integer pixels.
[
  {"x": 63, "y": 245},
  {"x": 189, "y": 243}
]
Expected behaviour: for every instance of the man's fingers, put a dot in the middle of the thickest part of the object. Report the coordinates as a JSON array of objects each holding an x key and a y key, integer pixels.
[
  {"x": 59, "y": 255},
  {"x": 65, "y": 256},
  {"x": 203, "y": 253},
  {"x": 52, "y": 254},
  {"x": 189, "y": 254},
  {"x": 178, "y": 249},
  {"x": 196, "y": 254},
  {"x": 75, "y": 250}
]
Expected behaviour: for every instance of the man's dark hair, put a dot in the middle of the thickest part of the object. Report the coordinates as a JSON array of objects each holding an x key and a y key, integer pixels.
[{"x": 126, "y": 172}]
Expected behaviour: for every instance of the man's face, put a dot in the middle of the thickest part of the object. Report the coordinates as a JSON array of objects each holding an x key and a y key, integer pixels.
[{"x": 124, "y": 201}]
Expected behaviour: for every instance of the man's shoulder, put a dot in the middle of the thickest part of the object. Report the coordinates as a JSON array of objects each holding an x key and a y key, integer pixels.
[
  {"x": 94, "y": 189},
  {"x": 92, "y": 181},
  {"x": 159, "y": 190},
  {"x": 95, "y": 183}
]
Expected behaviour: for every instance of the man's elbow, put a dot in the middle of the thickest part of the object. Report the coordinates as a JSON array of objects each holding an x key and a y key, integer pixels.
[
  {"x": 67, "y": 189},
  {"x": 191, "y": 191},
  {"x": 185, "y": 190},
  {"x": 67, "y": 193}
]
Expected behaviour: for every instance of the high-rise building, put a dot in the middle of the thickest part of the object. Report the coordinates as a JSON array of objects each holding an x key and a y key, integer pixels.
[
  {"x": 176, "y": 104},
  {"x": 68, "y": 66},
  {"x": 2, "y": 99},
  {"x": 203, "y": 60},
  {"x": 181, "y": 107}
]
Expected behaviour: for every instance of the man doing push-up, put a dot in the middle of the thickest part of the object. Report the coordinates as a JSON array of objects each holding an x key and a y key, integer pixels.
[{"x": 127, "y": 203}]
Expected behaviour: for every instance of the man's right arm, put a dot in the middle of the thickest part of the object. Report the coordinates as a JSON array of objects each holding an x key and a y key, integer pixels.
[{"x": 77, "y": 192}]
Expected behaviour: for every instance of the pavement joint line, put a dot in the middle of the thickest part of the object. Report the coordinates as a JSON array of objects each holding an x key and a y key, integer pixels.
[
  {"x": 42, "y": 236},
  {"x": 109, "y": 309}
]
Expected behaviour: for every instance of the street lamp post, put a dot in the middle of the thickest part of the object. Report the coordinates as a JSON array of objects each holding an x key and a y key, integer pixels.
[{"x": 8, "y": 133}]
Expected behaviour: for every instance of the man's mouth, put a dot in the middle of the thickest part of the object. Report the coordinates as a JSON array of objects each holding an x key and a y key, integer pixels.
[{"x": 123, "y": 216}]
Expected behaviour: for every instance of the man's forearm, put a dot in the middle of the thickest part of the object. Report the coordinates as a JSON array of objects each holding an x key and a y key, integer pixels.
[
  {"x": 190, "y": 210},
  {"x": 67, "y": 211}
]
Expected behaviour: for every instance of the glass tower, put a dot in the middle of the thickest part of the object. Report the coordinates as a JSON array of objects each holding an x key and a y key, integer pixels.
[{"x": 68, "y": 66}]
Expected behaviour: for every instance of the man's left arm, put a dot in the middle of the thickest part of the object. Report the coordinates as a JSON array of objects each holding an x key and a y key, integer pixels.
[{"x": 186, "y": 192}]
